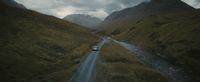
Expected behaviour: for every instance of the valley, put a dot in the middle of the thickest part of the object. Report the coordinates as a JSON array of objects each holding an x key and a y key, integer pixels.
[{"x": 154, "y": 41}]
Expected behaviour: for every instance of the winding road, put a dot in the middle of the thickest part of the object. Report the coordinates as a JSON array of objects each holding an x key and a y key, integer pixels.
[{"x": 86, "y": 73}]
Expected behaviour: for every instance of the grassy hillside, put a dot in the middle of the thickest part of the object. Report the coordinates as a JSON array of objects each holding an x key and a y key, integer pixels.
[
  {"x": 119, "y": 21},
  {"x": 175, "y": 37},
  {"x": 122, "y": 66},
  {"x": 39, "y": 48}
]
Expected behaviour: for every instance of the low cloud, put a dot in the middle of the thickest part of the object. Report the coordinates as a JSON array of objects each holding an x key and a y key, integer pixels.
[
  {"x": 194, "y": 3},
  {"x": 95, "y": 8}
]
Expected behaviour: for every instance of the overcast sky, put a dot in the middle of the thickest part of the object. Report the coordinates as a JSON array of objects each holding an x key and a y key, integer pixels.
[{"x": 95, "y": 8}]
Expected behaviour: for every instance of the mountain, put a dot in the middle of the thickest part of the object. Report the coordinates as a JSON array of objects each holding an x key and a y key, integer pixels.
[
  {"x": 166, "y": 28},
  {"x": 83, "y": 20},
  {"x": 151, "y": 8},
  {"x": 39, "y": 48},
  {"x": 174, "y": 37},
  {"x": 125, "y": 18},
  {"x": 12, "y": 3}
]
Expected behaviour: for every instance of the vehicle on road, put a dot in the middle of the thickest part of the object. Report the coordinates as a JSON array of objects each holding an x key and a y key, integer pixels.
[{"x": 95, "y": 48}]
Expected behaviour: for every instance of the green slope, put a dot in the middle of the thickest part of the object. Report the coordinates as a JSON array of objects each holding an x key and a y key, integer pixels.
[
  {"x": 39, "y": 48},
  {"x": 175, "y": 37}
]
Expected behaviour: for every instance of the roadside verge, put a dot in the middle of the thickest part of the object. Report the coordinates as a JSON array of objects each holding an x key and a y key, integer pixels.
[{"x": 117, "y": 64}]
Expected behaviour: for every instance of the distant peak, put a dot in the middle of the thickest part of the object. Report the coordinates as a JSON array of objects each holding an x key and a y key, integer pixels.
[
  {"x": 13, "y": 3},
  {"x": 83, "y": 20}
]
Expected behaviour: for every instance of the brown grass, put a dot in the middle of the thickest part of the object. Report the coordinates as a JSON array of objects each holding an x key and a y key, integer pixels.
[
  {"x": 174, "y": 36},
  {"x": 118, "y": 65},
  {"x": 38, "y": 47}
]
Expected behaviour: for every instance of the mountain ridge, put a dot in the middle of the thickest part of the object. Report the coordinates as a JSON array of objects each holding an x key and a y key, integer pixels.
[
  {"x": 39, "y": 48},
  {"x": 133, "y": 14},
  {"x": 166, "y": 28},
  {"x": 173, "y": 37},
  {"x": 160, "y": 6},
  {"x": 83, "y": 20},
  {"x": 13, "y": 3}
]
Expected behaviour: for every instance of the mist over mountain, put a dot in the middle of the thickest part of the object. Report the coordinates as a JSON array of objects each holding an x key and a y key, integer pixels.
[
  {"x": 148, "y": 8},
  {"x": 83, "y": 20},
  {"x": 151, "y": 8},
  {"x": 13, "y": 3}
]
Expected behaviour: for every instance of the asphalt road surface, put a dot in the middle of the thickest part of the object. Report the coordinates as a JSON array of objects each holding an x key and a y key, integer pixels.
[{"x": 86, "y": 73}]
